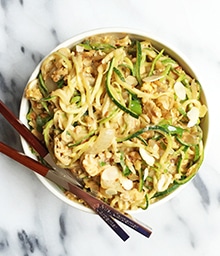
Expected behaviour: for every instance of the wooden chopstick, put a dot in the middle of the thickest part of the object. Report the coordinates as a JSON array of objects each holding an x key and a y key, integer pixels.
[
  {"x": 22, "y": 130},
  {"x": 23, "y": 159},
  {"x": 43, "y": 170},
  {"x": 102, "y": 209}
]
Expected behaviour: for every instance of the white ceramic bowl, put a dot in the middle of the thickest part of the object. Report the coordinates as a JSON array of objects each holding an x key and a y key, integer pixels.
[{"x": 158, "y": 44}]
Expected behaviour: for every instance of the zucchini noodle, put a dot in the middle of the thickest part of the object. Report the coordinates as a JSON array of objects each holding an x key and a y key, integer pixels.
[{"x": 122, "y": 116}]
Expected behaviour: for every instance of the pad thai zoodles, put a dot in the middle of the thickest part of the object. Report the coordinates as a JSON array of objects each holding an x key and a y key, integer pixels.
[{"x": 121, "y": 115}]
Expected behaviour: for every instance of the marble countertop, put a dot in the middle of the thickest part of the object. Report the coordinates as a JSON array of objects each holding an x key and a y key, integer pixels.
[{"x": 35, "y": 222}]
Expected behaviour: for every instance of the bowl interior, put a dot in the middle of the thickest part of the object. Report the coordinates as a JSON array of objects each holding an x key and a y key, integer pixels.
[{"x": 158, "y": 44}]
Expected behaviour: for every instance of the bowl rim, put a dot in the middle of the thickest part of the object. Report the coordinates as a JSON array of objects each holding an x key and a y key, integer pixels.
[{"x": 158, "y": 43}]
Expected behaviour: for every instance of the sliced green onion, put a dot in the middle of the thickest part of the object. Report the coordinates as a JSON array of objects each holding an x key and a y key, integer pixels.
[
  {"x": 60, "y": 83},
  {"x": 138, "y": 62},
  {"x": 41, "y": 121},
  {"x": 144, "y": 207},
  {"x": 135, "y": 104},
  {"x": 43, "y": 87},
  {"x": 76, "y": 99},
  {"x": 87, "y": 45},
  {"x": 125, "y": 170}
]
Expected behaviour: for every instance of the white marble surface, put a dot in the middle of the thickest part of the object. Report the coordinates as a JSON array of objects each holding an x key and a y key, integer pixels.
[{"x": 32, "y": 220}]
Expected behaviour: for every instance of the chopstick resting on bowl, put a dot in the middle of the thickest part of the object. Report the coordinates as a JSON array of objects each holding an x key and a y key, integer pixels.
[
  {"x": 34, "y": 142},
  {"x": 60, "y": 177}
]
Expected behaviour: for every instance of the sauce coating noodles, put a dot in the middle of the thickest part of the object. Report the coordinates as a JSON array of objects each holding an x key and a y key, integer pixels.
[{"x": 123, "y": 116}]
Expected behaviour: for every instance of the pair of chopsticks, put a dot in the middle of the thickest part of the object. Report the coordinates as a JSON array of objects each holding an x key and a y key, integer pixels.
[{"x": 60, "y": 177}]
